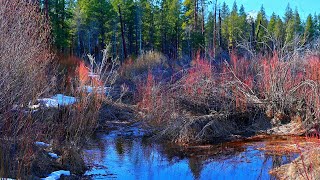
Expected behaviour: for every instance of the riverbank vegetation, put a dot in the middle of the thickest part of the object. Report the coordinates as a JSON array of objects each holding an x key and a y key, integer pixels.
[{"x": 69, "y": 67}]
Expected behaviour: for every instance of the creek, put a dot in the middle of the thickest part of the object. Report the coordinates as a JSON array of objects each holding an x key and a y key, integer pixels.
[{"x": 125, "y": 153}]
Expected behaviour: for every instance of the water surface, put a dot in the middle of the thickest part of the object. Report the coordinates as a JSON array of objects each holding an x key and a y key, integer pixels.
[{"x": 125, "y": 154}]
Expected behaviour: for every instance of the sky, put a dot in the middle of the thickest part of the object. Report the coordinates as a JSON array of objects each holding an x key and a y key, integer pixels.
[{"x": 305, "y": 7}]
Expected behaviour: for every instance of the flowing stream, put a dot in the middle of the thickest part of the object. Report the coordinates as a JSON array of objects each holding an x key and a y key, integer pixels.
[{"x": 124, "y": 153}]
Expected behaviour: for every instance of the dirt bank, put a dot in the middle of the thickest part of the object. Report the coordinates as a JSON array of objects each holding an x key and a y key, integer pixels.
[{"x": 307, "y": 166}]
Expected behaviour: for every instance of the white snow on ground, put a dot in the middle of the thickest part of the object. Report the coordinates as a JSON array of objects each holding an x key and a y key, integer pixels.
[
  {"x": 42, "y": 144},
  {"x": 53, "y": 155},
  {"x": 49, "y": 102},
  {"x": 58, "y": 100},
  {"x": 64, "y": 100},
  {"x": 33, "y": 107},
  {"x": 56, "y": 175},
  {"x": 100, "y": 90}
]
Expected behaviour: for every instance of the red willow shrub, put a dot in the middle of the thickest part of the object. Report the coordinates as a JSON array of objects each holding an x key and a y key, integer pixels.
[
  {"x": 200, "y": 70},
  {"x": 260, "y": 83},
  {"x": 146, "y": 94},
  {"x": 83, "y": 74},
  {"x": 241, "y": 70}
]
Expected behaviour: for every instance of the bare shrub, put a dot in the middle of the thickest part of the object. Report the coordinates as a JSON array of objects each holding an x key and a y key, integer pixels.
[
  {"x": 24, "y": 57},
  {"x": 235, "y": 94},
  {"x": 93, "y": 82},
  {"x": 24, "y": 54}
]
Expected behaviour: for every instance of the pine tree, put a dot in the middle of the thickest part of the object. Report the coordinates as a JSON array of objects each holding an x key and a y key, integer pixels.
[
  {"x": 193, "y": 38},
  {"x": 272, "y": 24},
  {"x": 288, "y": 14},
  {"x": 271, "y": 30},
  {"x": 233, "y": 26},
  {"x": 244, "y": 26},
  {"x": 261, "y": 25},
  {"x": 309, "y": 29},
  {"x": 148, "y": 29},
  {"x": 279, "y": 31},
  {"x": 171, "y": 27},
  {"x": 60, "y": 15},
  {"x": 290, "y": 31},
  {"x": 95, "y": 23},
  {"x": 225, "y": 13},
  {"x": 316, "y": 19},
  {"x": 210, "y": 31},
  {"x": 297, "y": 23}
]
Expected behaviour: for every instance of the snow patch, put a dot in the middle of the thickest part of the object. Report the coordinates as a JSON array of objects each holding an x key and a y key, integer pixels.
[
  {"x": 42, "y": 144},
  {"x": 99, "y": 89},
  {"x": 64, "y": 100},
  {"x": 49, "y": 102},
  {"x": 53, "y": 155},
  {"x": 58, "y": 100},
  {"x": 56, "y": 175},
  {"x": 33, "y": 107}
]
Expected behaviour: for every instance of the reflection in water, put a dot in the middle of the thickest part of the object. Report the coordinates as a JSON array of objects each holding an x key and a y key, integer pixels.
[
  {"x": 119, "y": 146},
  {"x": 195, "y": 165},
  {"x": 126, "y": 157}
]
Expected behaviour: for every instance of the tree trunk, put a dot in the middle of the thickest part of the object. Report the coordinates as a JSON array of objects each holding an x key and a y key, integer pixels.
[
  {"x": 214, "y": 29},
  {"x": 46, "y": 9},
  {"x": 220, "y": 30},
  {"x": 152, "y": 31},
  {"x": 195, "y": 14},
  {"x": 202, "y": 18},
  {"x": 122, "y": 34}
]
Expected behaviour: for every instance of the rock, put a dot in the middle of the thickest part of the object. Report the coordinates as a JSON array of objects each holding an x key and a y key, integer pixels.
[{"x": 292, "y": 128}]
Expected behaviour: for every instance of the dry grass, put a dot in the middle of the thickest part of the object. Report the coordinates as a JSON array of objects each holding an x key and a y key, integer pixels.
[
  {"x": 305, "y": 167},
  {"x": 148, "y": 60}
]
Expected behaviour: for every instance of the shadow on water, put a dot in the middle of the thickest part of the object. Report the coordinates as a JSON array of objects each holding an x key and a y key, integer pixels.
[{"x": 131, "y": 156}]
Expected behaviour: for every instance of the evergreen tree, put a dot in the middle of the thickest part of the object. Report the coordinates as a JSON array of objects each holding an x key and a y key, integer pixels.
[
  {"x": 297, "y": 23},
  {"x": 94, "y": 26},
  {"x": 309, "y": 29},
  {"x": 244, "y": 26},
  {"x": 60, "y": 13},
  {"x": 290, "y": 31},
  {"x": 225, "y": 13},
  {"x": 209, "y": 29},
  {"x": 148, "y": 24},
  {"x": 279, "y": 31},
  {"x": 233, "y": 26},
  {"x": 261, "y": 26},
  {"x": 288, "y": 14},
  {"x": 193, "y": 38},
  {"x": 173, "y": 27},
  {"x": 272, "y": 24},
  {"x": 316, "y": 19}
]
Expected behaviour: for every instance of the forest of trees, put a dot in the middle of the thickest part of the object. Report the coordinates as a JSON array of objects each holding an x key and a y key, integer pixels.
[{"x": 175, "y": 28}]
